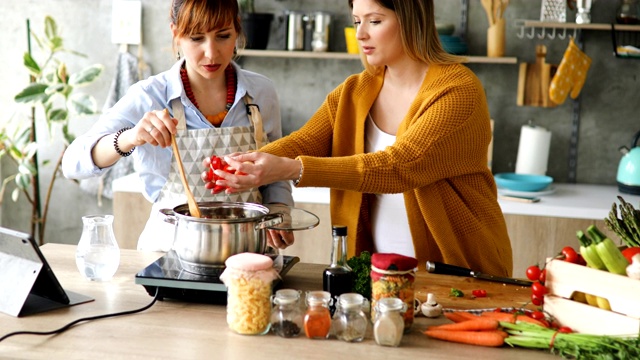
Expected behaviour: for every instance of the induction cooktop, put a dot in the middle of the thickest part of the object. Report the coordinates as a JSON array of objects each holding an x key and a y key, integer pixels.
[{"x": 167, "y": 276}]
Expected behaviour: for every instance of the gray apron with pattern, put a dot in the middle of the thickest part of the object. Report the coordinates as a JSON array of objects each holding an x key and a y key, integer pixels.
[{"x": 194, "y": 146}]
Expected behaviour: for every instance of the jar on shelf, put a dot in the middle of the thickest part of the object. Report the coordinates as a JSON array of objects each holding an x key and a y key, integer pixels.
[
  {"x": 388, "y": 325},
  {"x": 393, "y": 276},
  {"x": 286, "y": 314},
  {"x": 628, "y": 12},
  {"x": 350, "y": 322},
  {"x": 248, "y": 278},
  {"x": 317, "y": 318}
]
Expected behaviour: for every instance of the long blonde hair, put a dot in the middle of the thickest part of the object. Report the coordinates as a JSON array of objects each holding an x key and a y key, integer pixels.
[{"x": 418, "y": 32}]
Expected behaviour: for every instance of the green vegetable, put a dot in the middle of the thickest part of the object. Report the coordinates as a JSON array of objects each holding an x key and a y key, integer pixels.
[
  {"x": 572, "y": 345},
  {"x": 361, "y": 266},
  {"x": 589, "y": 252},
  {"x": 627, "y": 227},
  {"x": 456, "y": 292},
  {"x": 609, "y": 253}
]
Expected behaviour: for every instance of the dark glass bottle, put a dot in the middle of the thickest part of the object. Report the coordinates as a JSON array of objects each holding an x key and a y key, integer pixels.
[{"x": 338, "y": 278}]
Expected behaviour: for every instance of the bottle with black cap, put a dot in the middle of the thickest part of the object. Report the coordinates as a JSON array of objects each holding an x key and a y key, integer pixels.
[{"x": 338, "y": 278}]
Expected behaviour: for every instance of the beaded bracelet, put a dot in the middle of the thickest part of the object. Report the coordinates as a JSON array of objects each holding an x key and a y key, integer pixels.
[
  {"x": 115, "y": 143},
  {"x": 297, "y": 181}
]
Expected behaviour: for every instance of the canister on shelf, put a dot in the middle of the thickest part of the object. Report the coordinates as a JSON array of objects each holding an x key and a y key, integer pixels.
[
  {"x": 393, "y": 275},
  {"x": 248, "y": 278}
]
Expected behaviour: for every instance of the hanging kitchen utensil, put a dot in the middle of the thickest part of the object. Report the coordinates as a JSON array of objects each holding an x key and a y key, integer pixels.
[
  {"x": 488, "y": 8},
  {"x": 534, "y": 81},
  {"x": 194, "y": 210}
]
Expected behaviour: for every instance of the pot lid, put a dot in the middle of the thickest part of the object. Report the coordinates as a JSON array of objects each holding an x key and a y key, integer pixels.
[{"x": 294, "y": 218}]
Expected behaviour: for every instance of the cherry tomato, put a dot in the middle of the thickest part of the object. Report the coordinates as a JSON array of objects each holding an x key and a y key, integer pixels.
[
  {"x": 570, "y": 254},
  {"x": 533, "y": 272},
  {"x": 565, "y": 330},
  {"x": 210, "y": 175},
  {"x": 216, "y": 163},
  {"x": 543, "y": 276},
  {"x": 229, "y": 169},
  {"x": 538, "y": 289},
  {"x": 538, "y": 315},
  {"x": 479, "y": 293},
  {"x": 629, "y": 252},
  {"x": 218, "y": 189},
  {"x": 581, "y": 260},
  {"x": 536, "y": 300}
]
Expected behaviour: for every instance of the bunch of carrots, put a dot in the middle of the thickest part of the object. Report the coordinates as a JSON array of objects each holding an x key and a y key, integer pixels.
[{"x": 483, "y": 330}]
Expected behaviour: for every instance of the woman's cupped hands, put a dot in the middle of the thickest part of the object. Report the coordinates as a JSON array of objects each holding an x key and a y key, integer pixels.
[{"x": 240, "y": 172}]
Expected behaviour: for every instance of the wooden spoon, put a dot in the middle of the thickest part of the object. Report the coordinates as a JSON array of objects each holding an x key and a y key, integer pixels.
[
  {"x": 488, "y": 8},
  {"x": 194, "y": 210}
]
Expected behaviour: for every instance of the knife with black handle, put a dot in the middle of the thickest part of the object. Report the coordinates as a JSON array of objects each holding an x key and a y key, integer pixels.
[{"x": 435, "y": 267}]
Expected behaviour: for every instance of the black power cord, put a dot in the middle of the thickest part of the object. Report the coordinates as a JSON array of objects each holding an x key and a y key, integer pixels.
[{"x": 90, "y": 318}]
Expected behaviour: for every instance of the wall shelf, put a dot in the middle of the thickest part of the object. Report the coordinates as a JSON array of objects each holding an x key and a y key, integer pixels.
[
  {"x": 346, "y": 56},
  {"x": 564, "y": 26}
]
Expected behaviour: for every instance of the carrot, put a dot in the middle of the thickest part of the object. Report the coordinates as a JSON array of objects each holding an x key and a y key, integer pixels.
[
  {"x": 457, "y": 316},
  {"x": 511, "y": 318},
  {"x": 479, "y": 324},
  {"x": 482, "y": 338}
]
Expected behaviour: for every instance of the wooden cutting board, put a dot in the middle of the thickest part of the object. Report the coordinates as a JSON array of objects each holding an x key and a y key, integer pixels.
[
  {"x": 534, "y": 80},
  {"x": 498, "y": 294}
]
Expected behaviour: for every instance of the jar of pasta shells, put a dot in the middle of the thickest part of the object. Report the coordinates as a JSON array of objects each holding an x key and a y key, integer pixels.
[
  {"x": 393, "y": 275},
  {"x": 248, "y": 278}
]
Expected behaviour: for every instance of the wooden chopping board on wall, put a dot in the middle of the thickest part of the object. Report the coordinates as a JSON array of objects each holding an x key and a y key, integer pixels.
[{"x": 534, "y": 80}]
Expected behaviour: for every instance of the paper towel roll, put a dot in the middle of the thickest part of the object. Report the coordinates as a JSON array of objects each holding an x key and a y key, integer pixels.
[{"x": 533, "y": 150}]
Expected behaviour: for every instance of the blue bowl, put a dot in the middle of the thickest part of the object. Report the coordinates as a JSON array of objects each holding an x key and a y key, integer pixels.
[{"x": 522, "y": 182}]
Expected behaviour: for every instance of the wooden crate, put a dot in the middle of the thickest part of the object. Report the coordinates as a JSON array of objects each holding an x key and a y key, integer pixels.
[{"x": 623, "y": 293}]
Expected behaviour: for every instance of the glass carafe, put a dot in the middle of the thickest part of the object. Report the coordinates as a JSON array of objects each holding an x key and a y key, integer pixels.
[{"x": 98, "y": 253}]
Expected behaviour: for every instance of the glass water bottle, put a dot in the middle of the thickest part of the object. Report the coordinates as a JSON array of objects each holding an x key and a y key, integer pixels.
[{"x": 338, "y": 278}]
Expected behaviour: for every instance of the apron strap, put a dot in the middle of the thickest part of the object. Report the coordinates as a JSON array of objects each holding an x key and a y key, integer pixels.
[
  {"x": 253, "y": 111},
  {"x": 178, "y": 113}
]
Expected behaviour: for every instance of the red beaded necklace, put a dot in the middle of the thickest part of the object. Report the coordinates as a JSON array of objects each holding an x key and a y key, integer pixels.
[{"x": 232, "y": 84}]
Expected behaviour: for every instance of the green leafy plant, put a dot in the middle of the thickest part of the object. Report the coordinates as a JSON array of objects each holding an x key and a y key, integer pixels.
[
  {"x": 53, "y": 89},
  {"x": 246, "y": 6},
  {"x": 361, "y": 266}
]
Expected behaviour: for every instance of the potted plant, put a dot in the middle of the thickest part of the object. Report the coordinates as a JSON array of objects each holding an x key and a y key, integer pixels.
[
  {"x": 256, "y": 26},
  {"x": 53, "y": 89}
]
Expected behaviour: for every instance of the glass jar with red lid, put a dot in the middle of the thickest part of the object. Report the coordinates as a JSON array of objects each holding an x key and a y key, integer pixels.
[{"x": 393, "y": 275}]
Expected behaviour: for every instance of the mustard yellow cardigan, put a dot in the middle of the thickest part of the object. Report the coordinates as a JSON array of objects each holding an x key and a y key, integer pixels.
[{"x": 439, "y": 163}]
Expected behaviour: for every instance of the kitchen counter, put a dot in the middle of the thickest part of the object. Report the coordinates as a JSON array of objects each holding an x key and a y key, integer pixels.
[
  {"x": 576, "y": 201},
  {"x": 180, "y": 330}
]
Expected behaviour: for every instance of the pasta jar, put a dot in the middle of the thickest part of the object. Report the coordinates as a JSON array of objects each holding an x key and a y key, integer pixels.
[
  {"x": 248, "y": 278},
  {"x": 393, "y": 275},
  {"x": 317, "y": 319},
  {"x": 389, "y": 323},
  {"x": 286, "y": 315},
  {"x": 350, "y": 322}
]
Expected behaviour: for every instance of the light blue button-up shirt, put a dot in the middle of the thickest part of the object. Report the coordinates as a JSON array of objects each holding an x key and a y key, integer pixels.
[{"x": 153, "y": 163}]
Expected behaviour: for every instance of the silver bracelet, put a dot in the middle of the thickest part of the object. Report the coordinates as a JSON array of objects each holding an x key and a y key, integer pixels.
[{"x": 297, "y": 181}]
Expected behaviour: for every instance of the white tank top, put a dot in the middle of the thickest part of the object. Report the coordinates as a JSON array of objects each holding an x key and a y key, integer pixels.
[{"x": 389, "y": 222}]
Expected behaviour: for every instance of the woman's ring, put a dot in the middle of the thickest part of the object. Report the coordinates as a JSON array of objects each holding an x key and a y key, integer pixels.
[{"x": 150, "y": 129}]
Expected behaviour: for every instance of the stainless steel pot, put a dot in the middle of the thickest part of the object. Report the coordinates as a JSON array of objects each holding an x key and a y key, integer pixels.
[{"x": 225, "y": 229}]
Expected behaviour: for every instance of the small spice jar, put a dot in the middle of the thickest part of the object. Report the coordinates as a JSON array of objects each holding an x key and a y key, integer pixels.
[
  {"x": 286, "y": 314},
  {"x": 349, "y": 321},
  {"x": 393, "y": 275},
  {"x": 317, "y": 319},
  {"x": 248, "y": 278},
  {"x": 388, "y": 325}
]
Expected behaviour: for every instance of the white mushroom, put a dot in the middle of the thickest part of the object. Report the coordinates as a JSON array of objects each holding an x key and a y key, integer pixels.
[
  {"x": 633, "y": 270},
  {"x": 431, "y": 308}
]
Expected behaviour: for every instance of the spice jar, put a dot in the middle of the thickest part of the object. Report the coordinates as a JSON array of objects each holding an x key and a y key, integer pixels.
[
  {"x": 393, "y": 276},
  {"x": 286, "y": 315},
  {"x": 388, "y": 326},
  {"x": 349, "y": 321},
  {"x": 248, "y": 278},
  {"x": 317, "y": 319}
]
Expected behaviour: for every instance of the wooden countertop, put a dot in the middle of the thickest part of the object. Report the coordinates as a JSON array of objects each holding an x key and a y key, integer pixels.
[{"x": 172, "y": 329}]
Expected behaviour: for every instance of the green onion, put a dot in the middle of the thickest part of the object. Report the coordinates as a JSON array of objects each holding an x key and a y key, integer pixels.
[{"x": 572, "y": 345}]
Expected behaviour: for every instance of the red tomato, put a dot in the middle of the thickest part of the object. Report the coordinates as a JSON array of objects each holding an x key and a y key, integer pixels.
[
  {"x": 629, "y": 252},
  {"x": 565, "y": 330},
  {"x": 538, "y": 315},
  {"x": 217, "y": 189},
  {"x": 570, "y": 254},
  {"x": 533, "y": 272},
  {"x": 536, "y": 300},
  {"x": 543, "y": 276},
  {"x": 209, "y": 175},
  {"x": 216, "y": 163},
  {"x": 581, "y": 260},
  {"x": 229, "y": 169},
  {"x": 538, "y": 289},
  {"x": 479, "y": 293}
]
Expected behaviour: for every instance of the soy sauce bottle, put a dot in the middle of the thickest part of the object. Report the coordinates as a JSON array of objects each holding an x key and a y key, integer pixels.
[{"x": 338, "y": 278}]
